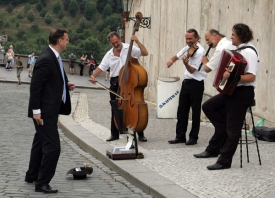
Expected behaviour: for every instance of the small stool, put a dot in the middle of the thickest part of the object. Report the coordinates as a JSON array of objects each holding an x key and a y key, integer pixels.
[{"x": 249, "y": 141}]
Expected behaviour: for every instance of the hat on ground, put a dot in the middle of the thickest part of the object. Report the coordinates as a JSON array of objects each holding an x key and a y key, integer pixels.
[{"x": 80, "y": 172}]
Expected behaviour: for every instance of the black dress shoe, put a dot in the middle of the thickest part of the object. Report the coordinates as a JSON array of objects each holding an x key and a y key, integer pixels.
[
  {"x": 205, "y": 154},
  {"x": 217, "y": 166},
  {"x": 191, "y": 142},
  {"x": 112, "y": 138},
  {"x": 176, "y": 141},
  {"x": 45, "y": 189},
  {"x": 142, "y": 138}
]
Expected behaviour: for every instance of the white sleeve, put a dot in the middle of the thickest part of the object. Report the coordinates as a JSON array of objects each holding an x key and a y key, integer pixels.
[{"x": 136, "y": 53}]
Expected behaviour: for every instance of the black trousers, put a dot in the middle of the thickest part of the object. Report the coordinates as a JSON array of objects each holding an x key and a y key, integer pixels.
[
  {"x": 81, "y": 69},
  {"x": 190, "y": 96},
  {"x": 91, "y": 69},
  {"x": 45, "y": 153},
  {"x": 114, "y": 87},
  {"x": 227, "y": 114}
]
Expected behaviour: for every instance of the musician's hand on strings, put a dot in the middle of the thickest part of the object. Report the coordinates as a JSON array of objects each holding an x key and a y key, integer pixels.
[
  {"x": 92, "y": 79},
  {"x": 169, "y": 63},
  {"x": 185, "y": 60},
  {"x": 134, "y": 38}
]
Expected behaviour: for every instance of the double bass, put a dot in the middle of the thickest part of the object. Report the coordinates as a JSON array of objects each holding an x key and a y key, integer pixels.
[{"x": 132, "y": 81}]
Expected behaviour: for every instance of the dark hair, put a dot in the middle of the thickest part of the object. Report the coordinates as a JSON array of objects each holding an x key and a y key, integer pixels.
[
  {"x": 244, "y": 33},
  {"x": 55, "y": 35},
  {"x": 111, "y": 34},
  {"x": 213, "y": 31},
  {"x": 195, "y": 33}
]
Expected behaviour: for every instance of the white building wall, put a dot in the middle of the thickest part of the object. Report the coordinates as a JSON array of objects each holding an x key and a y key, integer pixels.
[{"x": 170, "y": 20}]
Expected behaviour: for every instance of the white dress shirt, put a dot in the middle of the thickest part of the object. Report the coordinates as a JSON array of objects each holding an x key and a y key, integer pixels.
[{"x": 115, "y": 63}]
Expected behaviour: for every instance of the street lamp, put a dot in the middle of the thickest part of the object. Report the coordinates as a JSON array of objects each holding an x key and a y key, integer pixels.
[
  {"x": 120, "y": 32},
  {"x": 127, "y": 5}
]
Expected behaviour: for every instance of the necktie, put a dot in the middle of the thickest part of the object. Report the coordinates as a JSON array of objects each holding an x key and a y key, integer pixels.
[{"x": 64, "y": 83}]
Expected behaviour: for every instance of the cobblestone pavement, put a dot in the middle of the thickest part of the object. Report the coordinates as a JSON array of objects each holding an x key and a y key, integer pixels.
[
  {"x": 16, "y": 137},
  {"x": 176, "y": 162},
  {"x": 173, "y": 162}
]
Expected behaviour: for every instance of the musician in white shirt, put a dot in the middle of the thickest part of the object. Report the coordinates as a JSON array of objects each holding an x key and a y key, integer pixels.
[
  {"x": 115, "y": 59},
  {"x": 220, "y": 42},
  {"x": 227, "y": 113},
  {"x": 192, "y": 88}
]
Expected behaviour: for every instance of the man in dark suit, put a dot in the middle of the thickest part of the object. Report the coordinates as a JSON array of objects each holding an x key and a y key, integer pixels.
[{"x": 49, "y": 97}]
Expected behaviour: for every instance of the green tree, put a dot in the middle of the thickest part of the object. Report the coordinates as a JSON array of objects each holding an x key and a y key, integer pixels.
[
  {"x": 7, "y": 24},
  {"x": 20, "y": 33},
  {"x": 21, "y": 47},
  {"x": 65, "y": 21},
  {"x": 35, "y": 28},
  {"x": 45, "y": 2},
  {"x": 43, "y": 12},
  {"x": 30, "y": 15},
  {"x": 90, "y": 11},
  {"x": 39, "y": 5},
  {"x": 48, "y": 18},
  {"x": 113, "y": 21},
  {"x": 82, "y": 5},
  {"x": 41, "y": 41},
  {"x": 33, "y": 1},
  {"x": 61, "y": 14},
  {"x": 9, "y": 8},
  {"x": 73, "y": 8},
  {"x": 27, "y": 7},
  {"x": 57, "y": 7},
  {"x": 90, "y": 45},
  {"x": 107, "y": 11},
  {"x": 100, "y": 4},
  {"x": 83, "y": 23},
  {"x": 66, "y": 4},
  {"x": 20, "y": 15},
  {"x": 1, "y": 24},
  {"x": 103, "y": 36}
]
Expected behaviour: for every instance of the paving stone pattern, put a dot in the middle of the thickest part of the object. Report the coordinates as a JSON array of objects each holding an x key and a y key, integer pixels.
[
  {"x": 176, "y": 162},
  {"x": 16, "y": 137}
]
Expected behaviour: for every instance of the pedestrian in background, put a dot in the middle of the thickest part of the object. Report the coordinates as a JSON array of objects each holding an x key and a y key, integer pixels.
[
  {"x": 31, "y": 62},
  {"x": 11, "y": 50},
  {"x": 92, "y": 64},
  {"x": 9, "y": 56},
  {"x": 72, "y": 59},
  {"x": 19, "y": 66},
  {"x": 49, "y": 97},
  {"x": 81, "y": 64}
]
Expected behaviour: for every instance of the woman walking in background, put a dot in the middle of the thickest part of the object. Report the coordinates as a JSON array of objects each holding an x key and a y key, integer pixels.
[
  {"x": 81, "y": 64},
  {"x": 92, "y": 64},
  {"x": 19, "y": 66},
  {"x": 9, "y": 56}
]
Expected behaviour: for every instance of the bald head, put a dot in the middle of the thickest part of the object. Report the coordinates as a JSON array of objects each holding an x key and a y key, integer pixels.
[{"x": 213, "y": 36}]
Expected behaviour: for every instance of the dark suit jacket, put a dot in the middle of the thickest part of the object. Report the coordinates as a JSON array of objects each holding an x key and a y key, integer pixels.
[{"x": 47, "y": 87}]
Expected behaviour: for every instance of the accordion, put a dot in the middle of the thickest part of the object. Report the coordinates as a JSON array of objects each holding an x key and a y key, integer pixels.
[{"x": 234, "y": 62}]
